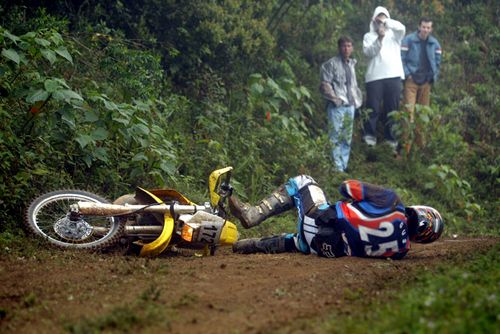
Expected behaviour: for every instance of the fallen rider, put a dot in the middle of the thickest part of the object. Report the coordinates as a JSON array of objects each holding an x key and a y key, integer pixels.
[{"x": 370, "y": 221}]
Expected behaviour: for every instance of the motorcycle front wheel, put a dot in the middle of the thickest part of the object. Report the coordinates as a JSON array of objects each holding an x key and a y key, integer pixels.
[{"x": 49, "y": 217}]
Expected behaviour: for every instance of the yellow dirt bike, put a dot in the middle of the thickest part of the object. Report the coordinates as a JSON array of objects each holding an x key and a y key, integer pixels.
[{"x": 151, "y": 222}]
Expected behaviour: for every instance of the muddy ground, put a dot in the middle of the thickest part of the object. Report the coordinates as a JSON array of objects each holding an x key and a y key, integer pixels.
[{"x": 55, "y": 291}]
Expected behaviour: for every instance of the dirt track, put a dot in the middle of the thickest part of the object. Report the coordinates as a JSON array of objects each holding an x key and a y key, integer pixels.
[{"x": 226, "y": 293}]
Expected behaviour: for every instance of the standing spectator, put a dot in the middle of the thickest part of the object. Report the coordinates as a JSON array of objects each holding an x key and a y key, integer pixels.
[
  {"x": 382, "y": 46},
  {"x": 421, "y": 57},
  {"x": 340, "y": 89}
]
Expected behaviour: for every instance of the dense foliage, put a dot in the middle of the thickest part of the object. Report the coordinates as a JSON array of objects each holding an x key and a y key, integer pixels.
[{"x": 106, "y": 95}]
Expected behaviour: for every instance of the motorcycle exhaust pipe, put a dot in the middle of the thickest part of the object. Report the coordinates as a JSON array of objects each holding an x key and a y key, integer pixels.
[{"x": 150, "y": 230}]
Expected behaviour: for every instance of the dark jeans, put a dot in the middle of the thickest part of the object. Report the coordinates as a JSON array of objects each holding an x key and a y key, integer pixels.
[{"x": 386, "y": 92}]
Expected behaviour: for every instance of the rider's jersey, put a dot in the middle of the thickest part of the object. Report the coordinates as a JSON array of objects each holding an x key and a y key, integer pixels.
[{"x": 370, "y": 222}]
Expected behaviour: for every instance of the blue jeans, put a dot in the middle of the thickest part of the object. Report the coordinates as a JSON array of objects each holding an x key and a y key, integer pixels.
[{"x": 341, "y": 120}]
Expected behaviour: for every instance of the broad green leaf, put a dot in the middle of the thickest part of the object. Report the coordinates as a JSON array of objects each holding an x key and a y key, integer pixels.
[
  {"x": 63, "y": 52},
  {"x": 140, "y": 157},
  {"x": 143, "y": 141},
  {"x": 84, "y": 140},
  {"x": 275, "y": 105},
  {"x": 69, "y": 118},
  {"x": 281, "y": 94},
  {"x": 49, "y": 55},
  {"x": 254, "y": 78},
  {"x": 11, "y": 54},
  {"x": 100, "y": 134},
  {"x": 424, "y": 118},
  {"x": 66, "y": 95},
  {"x": 30, "y": 34},
  {"x": 110, "y": 105},
  {"x": 121, "y": 120},
  {"x": 256, "y": 89},
  {"x": 58, "y": 96},
  {"x": 287, "y": 83},
  {"x": 142, "y": 106},
  {"x": 285, "y": 122},
  {"x": 141, "y": 129},
  {"x": 61, "y": 82},
  {"x": 13, "y": 38},
  {"x": 70, "y": 94},
  {"x": 297, "y": 93},
  {"x": 305, "y": 92},
  {"x": 143, "y": 121},
  {"x": 101, "y": 154},
  {"x": 88, "y": 160},
  {"x": 476, "y": 206},
  {"x": 168, "y": 167},
  {"x": 429, "y": 185},
  {"x": 39, "y": 171},
  {"x": 272, "y": 84},
  {"x": 43, "y": 42},
  {"x": 51, "y": 85},
  {"x": 38, "y": 95},
  {"x": 308, "y": 108},
  {"x": 91, "y": 116},
  {"x": 56, "y": 38}
]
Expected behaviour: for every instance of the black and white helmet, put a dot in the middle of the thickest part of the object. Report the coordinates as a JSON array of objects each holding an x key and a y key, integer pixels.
[{"x": 425, "y": 223}]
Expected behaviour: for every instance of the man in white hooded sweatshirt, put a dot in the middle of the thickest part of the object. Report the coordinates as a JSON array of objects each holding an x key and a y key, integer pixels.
[{"x": 382, "y": 46}]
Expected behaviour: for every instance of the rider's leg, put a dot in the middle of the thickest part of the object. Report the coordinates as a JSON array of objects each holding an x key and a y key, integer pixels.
[
  {"x": 274, "y": 244},
  {"x": 278, "y": 202}
]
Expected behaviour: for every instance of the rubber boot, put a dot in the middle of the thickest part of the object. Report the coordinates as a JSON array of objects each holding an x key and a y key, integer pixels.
[
  {"x": 268, "y": 245},
  {"x": 278, "y": 202}
]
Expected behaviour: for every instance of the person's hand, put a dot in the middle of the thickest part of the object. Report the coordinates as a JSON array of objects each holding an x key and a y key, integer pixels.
[
  {"x": 380, "y": 20},
  {"x": 337, "y": 101},
  {"x": 381, "y": 31},
  {"x": 380, "y": 26}
]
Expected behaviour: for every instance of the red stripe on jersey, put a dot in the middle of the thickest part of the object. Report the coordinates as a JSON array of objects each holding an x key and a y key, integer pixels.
[
  {"x": 354, "y": 189},
  {"x": 356, "y": 217}
]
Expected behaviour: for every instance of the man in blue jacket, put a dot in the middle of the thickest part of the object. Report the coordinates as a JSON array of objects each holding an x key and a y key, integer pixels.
[{"x": 421, "y": 57}]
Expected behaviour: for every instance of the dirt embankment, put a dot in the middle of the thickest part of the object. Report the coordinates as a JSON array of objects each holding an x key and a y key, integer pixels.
[{"x": 226, "y": 293}]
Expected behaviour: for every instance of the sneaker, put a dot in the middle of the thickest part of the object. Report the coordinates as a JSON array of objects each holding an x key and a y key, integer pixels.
[{"x": 370, "y": 140}]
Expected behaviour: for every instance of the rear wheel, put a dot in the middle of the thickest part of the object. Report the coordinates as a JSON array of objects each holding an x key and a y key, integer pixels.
[{"x": 49, "y": 217}]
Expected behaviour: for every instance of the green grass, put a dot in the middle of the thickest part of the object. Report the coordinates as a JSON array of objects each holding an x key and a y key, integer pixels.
[{"x": 459, "y": 298}]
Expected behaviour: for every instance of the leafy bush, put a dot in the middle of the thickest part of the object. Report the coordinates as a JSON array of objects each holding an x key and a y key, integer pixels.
[
  {"x": 53, "y": 136},
  {"x": 160, "y": 93}
]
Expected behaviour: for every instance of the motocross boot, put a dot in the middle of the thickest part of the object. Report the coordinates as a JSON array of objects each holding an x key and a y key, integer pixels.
[
  {"x": 278, "y": 202},
  {"x": 268, "y": 245}
]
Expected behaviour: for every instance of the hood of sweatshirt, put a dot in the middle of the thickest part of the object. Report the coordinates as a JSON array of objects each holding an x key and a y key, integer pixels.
[{"x": 379, "y": 10}]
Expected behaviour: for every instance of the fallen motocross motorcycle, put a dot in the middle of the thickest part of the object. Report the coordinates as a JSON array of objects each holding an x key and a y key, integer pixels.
[{"x": 148, "y": 223}]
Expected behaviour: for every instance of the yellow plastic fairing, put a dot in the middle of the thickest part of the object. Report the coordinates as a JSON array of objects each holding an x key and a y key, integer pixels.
[
  {"x": 229, "y": 234},
  {"x": 161, "y": 243},
  {"x": 214, "y": 183}
]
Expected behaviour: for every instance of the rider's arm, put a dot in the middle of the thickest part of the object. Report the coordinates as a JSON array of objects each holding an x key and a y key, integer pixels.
[
  {"x": 376, "y": 195},
  {"x": 304, "y": 189}
]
